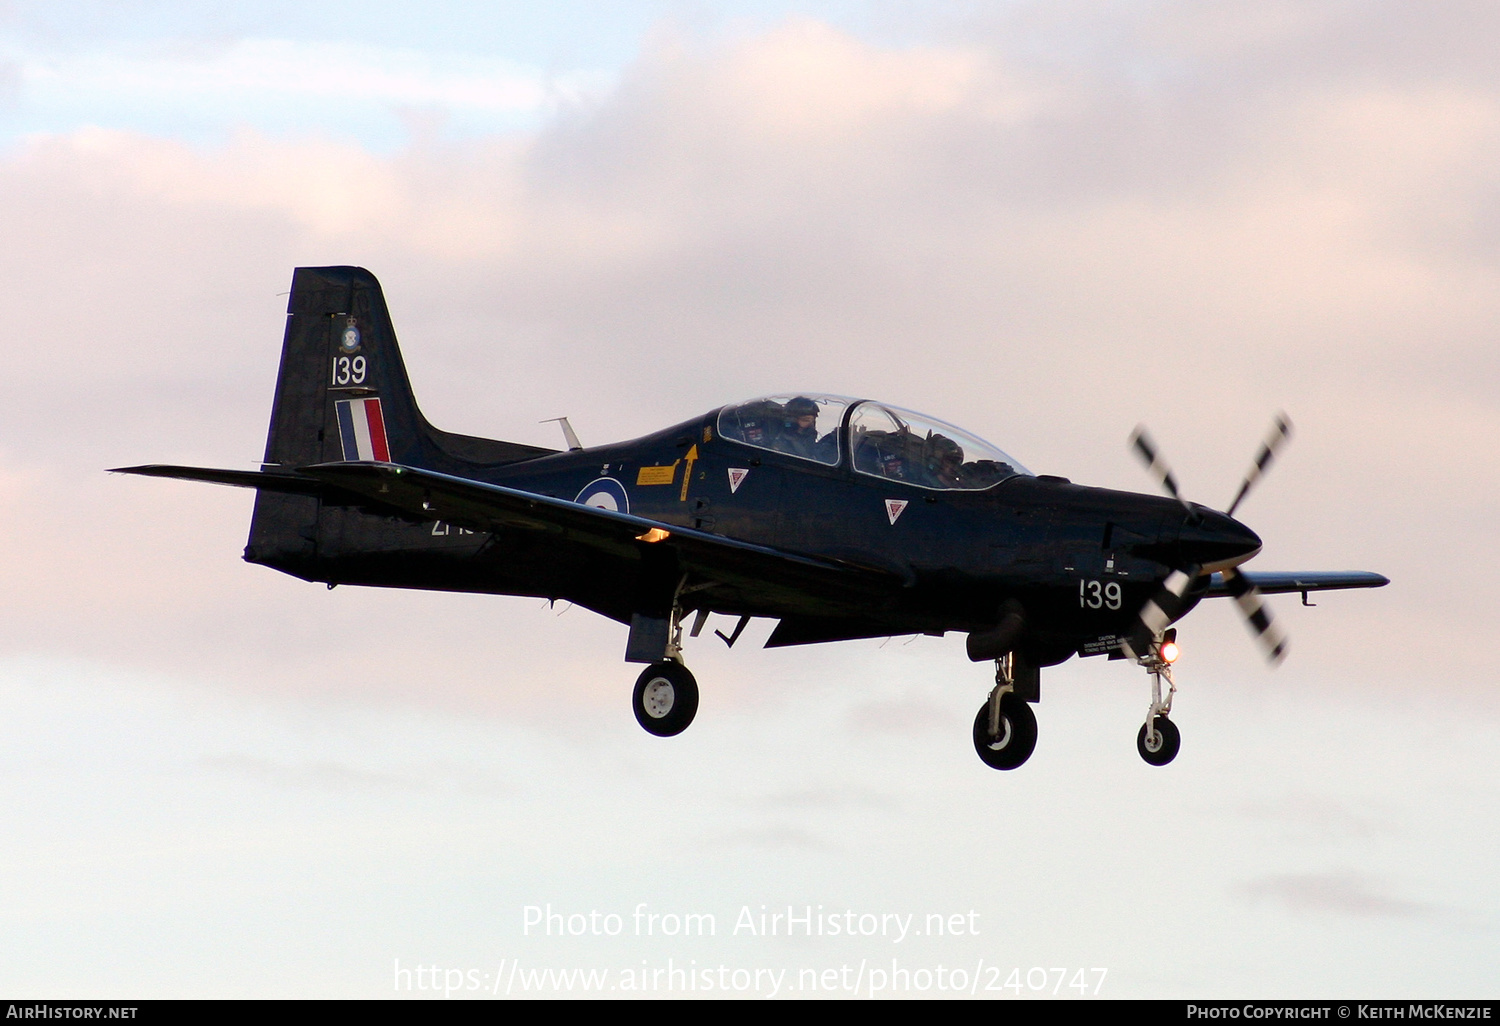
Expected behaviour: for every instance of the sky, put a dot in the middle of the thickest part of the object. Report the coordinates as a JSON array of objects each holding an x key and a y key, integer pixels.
[{"x": 1046, "y": 222}]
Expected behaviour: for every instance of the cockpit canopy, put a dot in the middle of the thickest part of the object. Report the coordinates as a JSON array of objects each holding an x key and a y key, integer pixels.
[{"x": 886, "y": 441}]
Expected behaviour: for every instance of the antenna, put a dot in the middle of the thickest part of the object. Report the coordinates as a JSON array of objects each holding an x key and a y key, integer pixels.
[{"x": 568, "y": 434}]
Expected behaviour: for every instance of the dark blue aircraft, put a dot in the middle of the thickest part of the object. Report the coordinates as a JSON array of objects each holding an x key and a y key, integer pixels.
[{"x": 841, "y": 518}]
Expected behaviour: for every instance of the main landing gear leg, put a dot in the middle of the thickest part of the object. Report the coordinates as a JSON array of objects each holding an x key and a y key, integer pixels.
[
  {"x": 1005, "y": 728},
  {"x": 666, "y": 693},
  {"x": 1158, "y": 740}
]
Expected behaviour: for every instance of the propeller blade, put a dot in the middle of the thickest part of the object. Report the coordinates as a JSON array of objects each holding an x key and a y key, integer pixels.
[
  {"x": 1141, "y": 442},
  {"x": 1257, "y": 615},
  {"x": 1159, "y": 611},
  {"x": 1280, "y": 432}
]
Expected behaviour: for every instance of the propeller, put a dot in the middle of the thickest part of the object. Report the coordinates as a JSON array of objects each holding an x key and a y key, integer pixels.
[
  {"x": 1257, "y": 615},
  {"x": 1166, "y": 604},
  {"x": 1281, "y": 430},
  {"x": 1159, "y": 611},
  {"x": 1146, "y": 448}
]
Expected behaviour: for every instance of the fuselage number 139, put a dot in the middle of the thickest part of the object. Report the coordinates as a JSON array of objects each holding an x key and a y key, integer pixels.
[{"x": 1098, "y": 595}]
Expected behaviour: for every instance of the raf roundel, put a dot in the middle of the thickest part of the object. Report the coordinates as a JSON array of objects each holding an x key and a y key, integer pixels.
[{"x": 604, "y": 493}]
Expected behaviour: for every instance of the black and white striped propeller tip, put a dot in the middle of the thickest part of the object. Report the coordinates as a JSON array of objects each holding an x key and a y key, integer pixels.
[
  {"x": 1281, "y": 430},
  {"x": 1142, "y": 443},
  {"x": 1257, "y": 616}
]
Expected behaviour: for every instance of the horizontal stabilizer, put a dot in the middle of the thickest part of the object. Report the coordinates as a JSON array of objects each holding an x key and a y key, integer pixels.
[{"x": 270, "y": 480}]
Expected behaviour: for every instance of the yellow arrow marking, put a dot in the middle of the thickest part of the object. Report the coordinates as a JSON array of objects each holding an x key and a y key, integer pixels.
[{"x": 690, "y": 459}]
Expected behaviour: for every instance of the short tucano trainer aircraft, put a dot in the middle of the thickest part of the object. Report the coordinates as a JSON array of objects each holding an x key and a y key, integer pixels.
[{"x": 841, "y": 518}]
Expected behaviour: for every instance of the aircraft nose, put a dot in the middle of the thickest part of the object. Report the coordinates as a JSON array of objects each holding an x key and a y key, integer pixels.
[{"x": 1214, "y": 541}]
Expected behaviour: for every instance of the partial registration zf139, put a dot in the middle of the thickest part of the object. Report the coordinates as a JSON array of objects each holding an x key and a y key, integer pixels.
[{"x": 840, "y": 518}]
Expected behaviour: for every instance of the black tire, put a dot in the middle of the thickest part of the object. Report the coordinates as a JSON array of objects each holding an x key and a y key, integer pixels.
[
  {"x": 1169, "y": 740},
  {"x": 1017, "y": 737},
  {"x": 666, "y": 698}
]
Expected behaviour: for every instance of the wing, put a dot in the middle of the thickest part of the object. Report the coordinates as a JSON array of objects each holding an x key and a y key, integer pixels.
[
  {"x": 736, "y": 575},
  {"x": 1282, "y": 582}
]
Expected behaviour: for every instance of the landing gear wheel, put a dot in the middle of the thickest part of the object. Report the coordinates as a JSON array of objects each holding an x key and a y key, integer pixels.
[
  {"x": 1161, "y": 749},
  {"x": 666, "y": 698},
  {"x": 1017, "y": 737}
]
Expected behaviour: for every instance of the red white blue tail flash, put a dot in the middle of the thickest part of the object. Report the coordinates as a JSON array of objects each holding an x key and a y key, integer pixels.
[{"x": 362, "y": 430}]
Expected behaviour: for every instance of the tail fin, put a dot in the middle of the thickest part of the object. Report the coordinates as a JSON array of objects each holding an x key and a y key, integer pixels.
[
  {"x": 339, "y": 348},
  {"x": 342, "y": 394}
]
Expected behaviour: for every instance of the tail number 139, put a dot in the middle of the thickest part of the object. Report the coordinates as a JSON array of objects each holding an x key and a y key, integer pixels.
[{"x": 349, "y": 370}]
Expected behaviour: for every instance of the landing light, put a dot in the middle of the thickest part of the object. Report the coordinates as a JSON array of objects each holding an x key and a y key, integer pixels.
[
  {"x": 1168, "y": 650},
  {"x": 656, "y": 534}
]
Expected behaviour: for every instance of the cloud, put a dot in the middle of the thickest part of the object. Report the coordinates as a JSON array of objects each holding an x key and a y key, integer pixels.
[
  {"x": 10, "y": 84},
  {"x": 1342, "y": 893},
  {"x": 1045, "y": 230},
  {"x": 775, "y": 837},
  {"x": 1319, "y": 817},
  {"x": 1042, "y": 256},
  {"x": 266, "y": 81},
  {"x": 857, "y": 799},
  {"x": 330, "y": 776},
  {"x": 907, "y": 715}
]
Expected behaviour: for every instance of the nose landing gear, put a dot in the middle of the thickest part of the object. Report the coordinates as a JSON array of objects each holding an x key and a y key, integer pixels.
[{"x": 1159, "y": 739}]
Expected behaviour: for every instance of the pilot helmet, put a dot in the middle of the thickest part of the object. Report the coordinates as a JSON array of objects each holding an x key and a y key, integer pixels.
[
  {"x": 801, "y": 407},
  {"x": 946, "y": 450}
]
